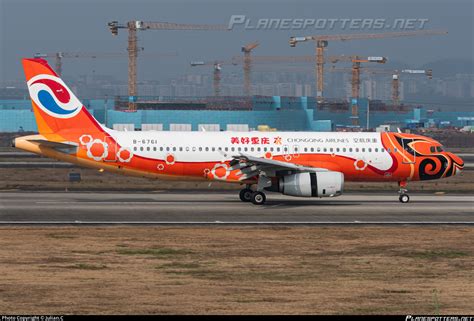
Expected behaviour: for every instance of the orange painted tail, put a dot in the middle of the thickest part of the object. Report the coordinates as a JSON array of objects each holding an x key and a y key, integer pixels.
[{"x": 56, "y": 108}]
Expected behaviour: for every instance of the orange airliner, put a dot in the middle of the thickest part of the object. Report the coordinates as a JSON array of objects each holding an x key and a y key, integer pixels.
[{"x": 304, "y": 164}]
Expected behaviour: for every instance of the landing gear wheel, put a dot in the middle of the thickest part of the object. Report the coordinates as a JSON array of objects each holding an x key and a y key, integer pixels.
[
  {"x": 258, "y": 198},
  {"x": 246, "y": 195},
  {"x": 404, "y": 198}
]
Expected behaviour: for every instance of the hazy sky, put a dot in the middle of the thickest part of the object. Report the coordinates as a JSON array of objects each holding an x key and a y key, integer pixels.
[{"x": 27, "y": 27}]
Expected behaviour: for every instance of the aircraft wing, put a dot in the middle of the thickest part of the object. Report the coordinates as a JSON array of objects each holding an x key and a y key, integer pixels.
[{"x": 251, "y": 166}]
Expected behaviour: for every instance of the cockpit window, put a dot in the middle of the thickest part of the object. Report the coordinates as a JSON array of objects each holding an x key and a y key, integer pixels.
[
  {"x": 439, "y": 149},
  {"x": 432, "y": 149}
]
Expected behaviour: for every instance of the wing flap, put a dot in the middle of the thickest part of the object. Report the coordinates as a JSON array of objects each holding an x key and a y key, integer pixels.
[{"x": 252, "y": 164}]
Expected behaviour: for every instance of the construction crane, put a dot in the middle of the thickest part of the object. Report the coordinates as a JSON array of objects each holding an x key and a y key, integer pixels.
[
  {"x": 236, "y": 60},
  {"x": 278, "y": 59},
  {"x": 58, "y": 56},
  {"x": 395, "y": 77},
  {"x": 355, "y": 84},
  {"x": 356, "y": 66},
  {"x": 322, "y": 41},
  {"x": 217, "y": 65},
  {"x": 133, "y": 27},
  {"x": 247, "y": 49},
  {"x": 217, "y": 68}
]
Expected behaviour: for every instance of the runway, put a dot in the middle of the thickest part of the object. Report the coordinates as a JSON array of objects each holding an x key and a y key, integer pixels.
[{"x": 211, "y": 207}]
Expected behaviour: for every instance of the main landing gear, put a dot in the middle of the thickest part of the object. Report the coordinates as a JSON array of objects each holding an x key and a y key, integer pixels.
[
  {"x": 247, "y": 195},
  {"x": 258, "y": 198},
  {"x": 403, "y": 198}
]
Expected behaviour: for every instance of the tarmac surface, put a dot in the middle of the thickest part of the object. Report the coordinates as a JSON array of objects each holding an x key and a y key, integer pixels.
[{"x": 211, "y": 207}]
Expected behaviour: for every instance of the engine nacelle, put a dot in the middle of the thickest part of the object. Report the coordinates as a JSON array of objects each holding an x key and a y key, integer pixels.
[{"x": 318, "y": 184}]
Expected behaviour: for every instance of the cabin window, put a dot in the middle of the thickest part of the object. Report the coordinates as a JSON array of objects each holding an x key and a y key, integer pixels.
[
  {"x": 337, "y": 150},
  {"x": 350, "y": 149},
  {"x": 174, "y": 149},
  {"x": 344, "y": 149},
  {"x": 154, "y": 149},
  {"x": 258, "y": 149},
  {"x": 319, "y": 149},
  {"x": 251, "y": 149},
  {"x": 376, "y": 149},
  {"x": 141, "y": 149},
  {"x": 357, "y": 150},
  {"x": 207, "y": 149}
]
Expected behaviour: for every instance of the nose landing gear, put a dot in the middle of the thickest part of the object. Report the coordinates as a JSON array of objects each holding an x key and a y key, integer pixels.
[{"x": 403, "y": 198}]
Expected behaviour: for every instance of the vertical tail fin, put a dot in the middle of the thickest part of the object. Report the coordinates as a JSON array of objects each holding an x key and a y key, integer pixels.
[{"x": 56, "y": 108}]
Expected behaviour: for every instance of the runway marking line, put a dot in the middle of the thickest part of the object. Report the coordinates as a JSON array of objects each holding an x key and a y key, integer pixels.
[{"x": 231, "y": 223}]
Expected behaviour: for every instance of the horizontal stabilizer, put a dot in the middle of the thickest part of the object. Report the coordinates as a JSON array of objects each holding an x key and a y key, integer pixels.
[{"x": 54, "y": 145}]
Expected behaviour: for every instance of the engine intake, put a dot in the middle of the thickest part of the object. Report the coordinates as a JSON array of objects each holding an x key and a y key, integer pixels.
[{"x": 318, "y": 184}]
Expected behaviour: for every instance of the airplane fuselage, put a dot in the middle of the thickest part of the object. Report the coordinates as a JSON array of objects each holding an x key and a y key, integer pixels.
[{"x": 207, "y": 155}]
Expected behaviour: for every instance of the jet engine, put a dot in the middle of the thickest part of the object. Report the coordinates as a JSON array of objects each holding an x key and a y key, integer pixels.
[{"x": 317, "y": 184}]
